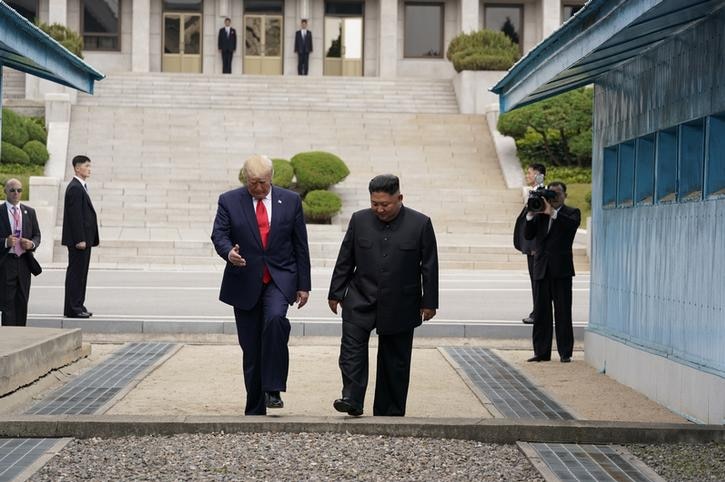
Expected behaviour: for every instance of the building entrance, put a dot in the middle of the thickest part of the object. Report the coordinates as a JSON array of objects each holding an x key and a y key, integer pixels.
[
  {"x": 263, "y": 44},
  {"x": 182, "y": 42},
  {"x": 343, "y": 38}
]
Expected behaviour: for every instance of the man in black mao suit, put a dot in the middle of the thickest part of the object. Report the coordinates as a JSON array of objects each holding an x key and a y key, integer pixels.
[
  {"x": 553, "y": 231},
  {"x": 260, "y": 232},
  {"x": 80, "y": 233},
  {"x": 385, "y": 278},
  {"x": 227, "y": 43},
  {"x": 303, "y": 48},
  {"x": 20, "y": 236}
]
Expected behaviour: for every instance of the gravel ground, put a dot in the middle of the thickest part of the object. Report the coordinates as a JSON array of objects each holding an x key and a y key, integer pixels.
[
  {"x": 684, "y": 462},
  {"x": 286, "y": 457}
]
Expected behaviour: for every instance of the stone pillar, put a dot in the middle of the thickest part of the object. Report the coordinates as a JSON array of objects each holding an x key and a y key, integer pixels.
[
  {"x": 550, "y": 16},
  {"x": 303, "y": 7},
  {"x": 224, "y": 8},
  {"x": 58, "y": 12},
  {"x": 470, "y": 15},
  {"x": 388, "y": 53},
  {"x": 141, "y": 36},
  {"x": 1, "y": 101}
]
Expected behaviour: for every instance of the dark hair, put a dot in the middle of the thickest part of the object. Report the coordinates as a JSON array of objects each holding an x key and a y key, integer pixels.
[
  {"x": 304, "y": 20},
  {"x": 540, "y": 168},
  {"x": 558, "y": 183},
  {"x": 80, "y": 160},
  {"x": 387, "y": 183}
]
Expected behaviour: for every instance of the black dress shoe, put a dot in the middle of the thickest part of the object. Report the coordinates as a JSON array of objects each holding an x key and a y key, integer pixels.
[
  {"x": 82, "y": 314},
  {"x": 538, "y": 359},
  {"x": 273, "y": 400},
  {"x": 528, "y": 320},
  {"x": 346, "y": 405},
  {"x": 566, "y": 359}
]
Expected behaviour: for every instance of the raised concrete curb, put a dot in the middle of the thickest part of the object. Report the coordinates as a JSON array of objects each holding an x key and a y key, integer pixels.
[
  {"x": 28, "y": 353},
  {"x": 483, "y": 430}
]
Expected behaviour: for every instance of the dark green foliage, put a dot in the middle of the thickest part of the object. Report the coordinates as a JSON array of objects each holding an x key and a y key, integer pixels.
[
  {"x": 37, "y": 152},
  {"x": 318, "y": 170},
  {"x": 588, "y": 199},
  {"x": 283, "y": 173},
  {"x": 36, "y": 130},
  {"x": 12, "y": 154},
  {"x": 320, "y": 206},
  {"x": 555, "y": 131},
  {"x": 482, "y": 50},
  {"x": 569, "y": 175},
  {"x": 14, "y": 130},
  {"x": 68, "y": 38}
]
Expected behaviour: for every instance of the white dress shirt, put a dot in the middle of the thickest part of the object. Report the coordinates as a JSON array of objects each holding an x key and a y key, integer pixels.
[{"x": 83, "y": 183}]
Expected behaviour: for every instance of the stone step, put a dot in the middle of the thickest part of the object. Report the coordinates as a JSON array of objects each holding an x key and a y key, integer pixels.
[{"x": 13, "y": 84}]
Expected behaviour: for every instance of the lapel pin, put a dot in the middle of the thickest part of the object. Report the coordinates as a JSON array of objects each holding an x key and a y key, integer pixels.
[{"x": 279, "y": 201}]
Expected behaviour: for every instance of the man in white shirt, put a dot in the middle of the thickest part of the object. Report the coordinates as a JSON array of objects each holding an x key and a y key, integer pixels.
[
  {"x": 303, "y": 48},
  {"x": 21, "y": 235},
  {"x": 227, "y": 43}
]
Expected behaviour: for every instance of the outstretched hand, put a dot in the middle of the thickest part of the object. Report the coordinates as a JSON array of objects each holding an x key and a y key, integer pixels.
[{"x": 235, "y": 258}]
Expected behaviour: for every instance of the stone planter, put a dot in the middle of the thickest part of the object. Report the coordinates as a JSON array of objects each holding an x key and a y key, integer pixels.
[{"x": 472, "y": 90}]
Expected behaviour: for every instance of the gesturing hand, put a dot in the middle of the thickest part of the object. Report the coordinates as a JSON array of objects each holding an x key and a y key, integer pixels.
[{"x": 235, "y": 258}]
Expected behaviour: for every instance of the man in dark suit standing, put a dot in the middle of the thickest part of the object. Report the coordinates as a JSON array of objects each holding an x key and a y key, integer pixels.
[
  {"x": 260, "y": 232},
  {"x": 21, "y": 235},
  {"x": 385, "y": 278},
  {"x": 303, "y": 48},
  {"x": 553, "y": 230},
  {"x": 227, "y": 42},
  {"x": 80, "y": 233}
]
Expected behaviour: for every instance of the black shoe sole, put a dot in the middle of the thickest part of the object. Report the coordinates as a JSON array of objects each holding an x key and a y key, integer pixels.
[{"x": 344, "y": 407}]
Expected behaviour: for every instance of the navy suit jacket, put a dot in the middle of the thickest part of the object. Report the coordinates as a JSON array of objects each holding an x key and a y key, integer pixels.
[
  {"x": 31, "y": 231},
  {"x": 553, "y": 247},
  {"x": 287, "y": 255},
  {"x": 303, "y": 46}
]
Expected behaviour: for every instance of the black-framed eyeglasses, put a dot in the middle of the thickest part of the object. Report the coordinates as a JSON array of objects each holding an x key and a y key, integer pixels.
[{"x": 15, "y": 189}]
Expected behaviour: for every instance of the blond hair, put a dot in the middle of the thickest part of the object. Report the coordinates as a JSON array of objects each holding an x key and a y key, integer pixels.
[{"x": 258, "y": 166}]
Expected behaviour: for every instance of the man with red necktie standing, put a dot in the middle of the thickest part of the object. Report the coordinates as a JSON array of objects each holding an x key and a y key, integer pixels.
[{"x": 260, "y": 231}]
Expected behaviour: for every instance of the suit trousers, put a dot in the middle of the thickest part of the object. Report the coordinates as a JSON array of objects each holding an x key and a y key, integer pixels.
[
  {"x": 227, "y": 61},
  {"x": 557, "y": 291},
  {"x": 263, "y": 333},
  {"x": 76, "y": 277},
  {"x": 530, "y": 264},
  {"x": 16, "y": 287},
  {"x": 393, "y": 371},
  {"x": 303, "y": 63}
]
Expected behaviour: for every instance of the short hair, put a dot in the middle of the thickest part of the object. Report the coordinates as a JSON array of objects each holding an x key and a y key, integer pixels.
[
  {"x": 304, "y": 20},
  {"x": 558, "y": 183},
  {"x": 257, "y": 166},
  {"x": 538, "y": 167},
  {"x": 80, "y": 160},
  {"x": 227, "y": 19},
  {"x": 387, "y": 183}
]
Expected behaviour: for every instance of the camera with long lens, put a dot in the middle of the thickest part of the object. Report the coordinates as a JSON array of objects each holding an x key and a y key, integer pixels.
[{"x": 535, "y": 203}]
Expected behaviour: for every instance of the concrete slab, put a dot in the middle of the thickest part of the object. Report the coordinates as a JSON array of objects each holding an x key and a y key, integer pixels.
[{"x": 28, "y": 353}]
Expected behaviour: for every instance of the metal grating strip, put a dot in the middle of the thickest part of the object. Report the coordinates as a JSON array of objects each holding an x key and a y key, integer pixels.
[
  {"x": 17, "y": 455},
  {"x": 592, "y": 463},
  {"x": 504, "y": 386},
  {"x": 90, "y": 391}
]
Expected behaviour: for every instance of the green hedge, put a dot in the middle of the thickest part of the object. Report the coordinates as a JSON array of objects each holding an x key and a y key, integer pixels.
[
  {"x": 569, "y": 174},
  {"x": 37, "y": 152},
  {"x": 10, "y": 154},
  {"x": 320, "y": 206},
  {"x": 14, "y": 129},
  {"x": 283, "y": 173},
  {"x": 68, "y": 38},
  {"x": 318, "y": 170},
  {"x": 36, "y": 131},
  {"x": 482, "y": 50}
]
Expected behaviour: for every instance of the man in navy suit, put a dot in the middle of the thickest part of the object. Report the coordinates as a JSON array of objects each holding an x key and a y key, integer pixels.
[
  {"x": 20, "y": 236},
  {"x": 227, "y": 43},
  {"x": 80, "y": 233},
  {"x": 260, "y": 232},
  {"x": 303, "y": 48}
]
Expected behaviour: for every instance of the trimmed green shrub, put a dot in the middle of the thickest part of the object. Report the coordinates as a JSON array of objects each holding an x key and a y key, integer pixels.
[
  {"x": 588, "y": 199},
  {"x": 569, "y": 174},
  {"x": 12, "y": 154},
  {"x": 36, "y": 131},
  {"x": 482, "y": 50},
  {"x": 318, "y": 170},
  {"x": 320, "y": 206},
  {"x": 68, "y": 38},
  {"x": 283, "y": 173},
  {"x": 14, "y": 130},
  {"x": 37, "y": 152}
]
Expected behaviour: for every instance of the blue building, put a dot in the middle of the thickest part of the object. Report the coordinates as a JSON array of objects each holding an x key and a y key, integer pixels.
[{"x": 657, "y": 315}]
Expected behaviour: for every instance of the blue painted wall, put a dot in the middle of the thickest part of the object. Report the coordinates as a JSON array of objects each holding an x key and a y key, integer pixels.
[{"x": 658, "y": 271}]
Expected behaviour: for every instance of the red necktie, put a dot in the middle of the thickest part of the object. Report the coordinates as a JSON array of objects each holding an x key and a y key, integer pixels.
[{"x": 263, "y": 224}]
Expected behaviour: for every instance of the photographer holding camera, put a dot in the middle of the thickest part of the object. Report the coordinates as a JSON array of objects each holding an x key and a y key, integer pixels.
[{"x": 552, "y": 226}]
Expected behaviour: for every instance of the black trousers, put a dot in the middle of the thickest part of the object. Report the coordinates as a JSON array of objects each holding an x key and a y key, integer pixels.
[
  {"x": 263, "y": 333},
  {"x": 15, "y": 276},
  {"x": 557, "y": 291},
  {"x": 227, "y": 61},
  {"x": 393, "y": 372},
  {"x": 303, "y": 63},
  {"x": 76, "y": 277},
  {"x": 530, "y": 264}
]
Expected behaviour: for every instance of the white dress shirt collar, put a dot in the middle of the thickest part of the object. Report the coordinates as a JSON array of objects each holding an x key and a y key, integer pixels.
[{"x": 83, "y": 183}]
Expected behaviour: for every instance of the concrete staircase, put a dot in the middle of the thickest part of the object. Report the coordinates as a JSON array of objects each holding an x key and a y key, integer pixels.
[
  {"x": 13, "y": 84},
  {"x": 160, "y": 161}
]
